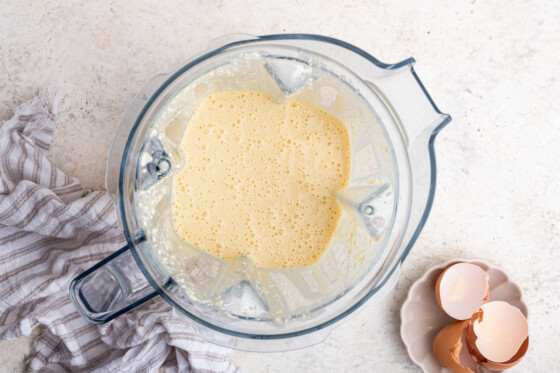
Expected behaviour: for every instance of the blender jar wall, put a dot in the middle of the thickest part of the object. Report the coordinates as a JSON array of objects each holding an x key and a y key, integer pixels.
[{"x": 369, "y": 202}]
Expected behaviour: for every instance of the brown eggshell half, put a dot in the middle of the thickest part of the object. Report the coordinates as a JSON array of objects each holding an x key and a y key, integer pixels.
[
  {"x": 480, "y": 359},
  {"x": 438, "y": 283},
  {"x": 447, "y": 347},
  {"x": 438, "y": 293}
]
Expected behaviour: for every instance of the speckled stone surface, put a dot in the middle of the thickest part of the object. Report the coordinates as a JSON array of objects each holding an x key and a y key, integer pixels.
[{"x": 493, "y": 65}]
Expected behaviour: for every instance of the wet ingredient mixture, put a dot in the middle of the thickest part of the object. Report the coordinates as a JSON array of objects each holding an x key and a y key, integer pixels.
[{"x": 260, "y": 179}]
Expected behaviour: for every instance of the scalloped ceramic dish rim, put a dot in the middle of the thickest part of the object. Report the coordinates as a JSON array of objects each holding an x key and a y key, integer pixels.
[{"x": 442, "y": 267}]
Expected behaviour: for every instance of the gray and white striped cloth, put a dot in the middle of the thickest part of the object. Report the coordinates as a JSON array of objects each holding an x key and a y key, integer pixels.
[{"x": 51, "y": 230}]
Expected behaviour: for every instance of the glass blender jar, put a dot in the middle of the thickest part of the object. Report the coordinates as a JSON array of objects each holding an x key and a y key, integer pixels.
[{"x": 392, "y": 124}]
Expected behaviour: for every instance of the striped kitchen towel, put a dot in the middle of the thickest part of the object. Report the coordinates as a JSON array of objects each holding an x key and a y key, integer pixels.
[{"x": 51, "y": 230}]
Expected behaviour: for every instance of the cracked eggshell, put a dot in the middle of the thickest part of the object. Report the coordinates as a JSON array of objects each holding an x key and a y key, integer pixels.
[
  {"x": 461, "y": 289},
  {"x": 422, "y": 318},
  {"x": 450, "y": 348},
  {"x": 498, "y": 335}
]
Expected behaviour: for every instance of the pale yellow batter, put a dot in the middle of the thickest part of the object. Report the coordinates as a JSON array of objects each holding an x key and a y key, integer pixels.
[{"x": 260, "y": 179}]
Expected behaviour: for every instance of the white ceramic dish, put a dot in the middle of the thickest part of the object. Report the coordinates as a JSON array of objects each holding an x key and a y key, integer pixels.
[{"x": 422, "y": 318}]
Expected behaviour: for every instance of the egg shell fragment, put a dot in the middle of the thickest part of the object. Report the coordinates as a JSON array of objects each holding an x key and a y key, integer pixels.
[
  {"x": 498, "y": 335},
  {"x": 450, "y": 348},
  {"x": 461, "y": 289}
]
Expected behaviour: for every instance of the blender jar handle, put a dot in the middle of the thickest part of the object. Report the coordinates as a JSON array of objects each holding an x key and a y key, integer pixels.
[{"x": 110, "y": 288}]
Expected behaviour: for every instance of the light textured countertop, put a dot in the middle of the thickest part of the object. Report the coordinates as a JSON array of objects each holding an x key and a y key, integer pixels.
[{"x": 493, "y": 65}]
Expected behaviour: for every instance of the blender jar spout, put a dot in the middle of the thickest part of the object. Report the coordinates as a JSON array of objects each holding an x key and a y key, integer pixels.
[
  {"x": 419, "y": 121},
  {"x": 409, "y": 102}
]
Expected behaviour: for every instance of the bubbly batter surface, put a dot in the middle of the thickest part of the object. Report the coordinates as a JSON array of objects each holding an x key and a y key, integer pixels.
[{"x": 260, "y": 179}]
